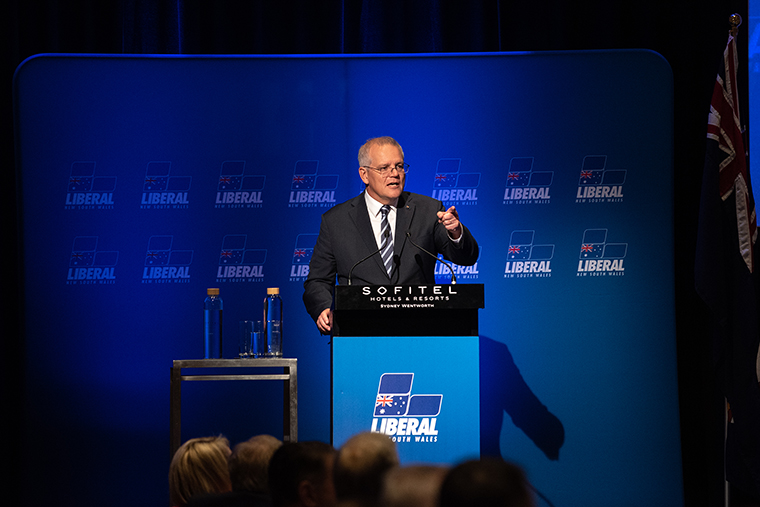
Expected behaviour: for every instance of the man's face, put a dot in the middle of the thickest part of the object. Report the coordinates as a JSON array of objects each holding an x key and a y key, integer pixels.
[{"x": 388, "y": 187}]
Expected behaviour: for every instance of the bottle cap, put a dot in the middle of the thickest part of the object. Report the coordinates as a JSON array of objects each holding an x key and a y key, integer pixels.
[
  {"x": 212, "y": 292},
  {"x": 273, "y": 290}
]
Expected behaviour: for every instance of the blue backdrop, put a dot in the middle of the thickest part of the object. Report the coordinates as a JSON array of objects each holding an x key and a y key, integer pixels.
[{"x": 145, "y": 180}]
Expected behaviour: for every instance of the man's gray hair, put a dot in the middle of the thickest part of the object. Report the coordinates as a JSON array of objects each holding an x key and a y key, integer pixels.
[{"x": 364, "y": 158}]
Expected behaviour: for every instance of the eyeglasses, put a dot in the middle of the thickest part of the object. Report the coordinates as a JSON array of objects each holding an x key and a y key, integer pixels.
[{"x": 385, "y": 170}]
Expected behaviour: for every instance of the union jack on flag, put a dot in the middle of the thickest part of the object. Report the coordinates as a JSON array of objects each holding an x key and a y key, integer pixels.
[
  {"x": 303, "y": 182},
  {"x": 393, "y": 394},
  {"x": 302, "y": 255},
  {"x": 725, "y": 246},
  {"x": 229, "y": 182},
  {"x": 723, "y": 126},
  {"x": 445, "y": 180}
]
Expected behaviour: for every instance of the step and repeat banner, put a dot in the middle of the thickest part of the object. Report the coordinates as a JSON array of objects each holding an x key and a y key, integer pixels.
[{"x": 146, "y": 180}]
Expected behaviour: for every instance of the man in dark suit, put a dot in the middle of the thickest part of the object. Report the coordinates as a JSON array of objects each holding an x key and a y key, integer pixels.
[{"x": 386, "y": 229}]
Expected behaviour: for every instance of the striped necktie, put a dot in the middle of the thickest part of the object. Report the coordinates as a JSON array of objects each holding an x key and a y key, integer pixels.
[{"x": 386, "y": 246}]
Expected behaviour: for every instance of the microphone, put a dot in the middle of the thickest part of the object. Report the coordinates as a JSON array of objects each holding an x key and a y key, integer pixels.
[
  {"x": 387, "y": 233},
  {"x": 453, "y": 276}
]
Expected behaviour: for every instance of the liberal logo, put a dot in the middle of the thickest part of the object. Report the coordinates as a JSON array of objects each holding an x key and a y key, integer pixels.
[
  {"x": 236, "y": 189},
  {"x": 87, "y": 191},
  {"x": 161, "y": 190},
  {"x": 404, "y": 416},
  {"x": 526, "y": 186},
  {"x": 600, "y": 258},
  {"x": 526, "y": 259},
  {"x": 309, "y": 188},
  {"x": 599, "y": 184},
  {"x": 304, "y": 247},
  {"x": 443, "y": 273},
  {"x": 90, "y": 266},
  {"x": 164, "y": 264},
  {"x": 237, "y": 263},
  {"x": 453, "y": 187}
]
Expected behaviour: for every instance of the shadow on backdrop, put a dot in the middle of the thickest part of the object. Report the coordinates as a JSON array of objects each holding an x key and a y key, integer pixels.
[{"x": 503, "y": 390}]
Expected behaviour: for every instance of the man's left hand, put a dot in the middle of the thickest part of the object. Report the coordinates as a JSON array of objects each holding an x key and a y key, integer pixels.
[{"x": 450, "y": 220}]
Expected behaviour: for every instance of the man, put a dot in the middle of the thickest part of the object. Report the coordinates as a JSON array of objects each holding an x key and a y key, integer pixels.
[
  {"x": 360, "y": 469},
  {"x": 300, "y": 475},
  {"x": 352, "y": 231},
  {"x": 412, "y": 486},
  {"x": 486, "y": 482}
]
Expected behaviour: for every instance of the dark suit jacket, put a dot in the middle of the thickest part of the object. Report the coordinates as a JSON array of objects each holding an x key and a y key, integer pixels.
[{"x": 346, "y": 237}]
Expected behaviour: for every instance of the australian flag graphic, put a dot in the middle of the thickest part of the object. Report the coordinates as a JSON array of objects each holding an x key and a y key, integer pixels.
[
  {"x": 82, "y": 179},
  {"x": 519, "y": 171},
  {"x": 304, "y": 247},
  {"x": 395, "y": 399},
  {"x": 157, "y": 176},
  {"x": 305, "y": 177},
  {"x": 83, "y": 251},
  {"x": 595, "y": 246},
  {"x": 521, "y": 174},
  {"x": 232, "y": 177},
  {"x": 521, "y": 247},
  {"x": 160, "y": 253},
  {"x": 593, "y": 172},
  {"x": 447, "y": 175},
  {"x": 234, "y": 251},
  {"x": 157, "y": 179}
]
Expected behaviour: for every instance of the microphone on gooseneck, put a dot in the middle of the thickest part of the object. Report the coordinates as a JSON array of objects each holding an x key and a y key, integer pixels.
[
  {"x": 453, "y": 276},
  {"x": 386, "y": 234}
]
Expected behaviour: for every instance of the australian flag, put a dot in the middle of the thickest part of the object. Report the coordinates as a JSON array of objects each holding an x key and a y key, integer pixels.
[
  {"x": 304, "y": 248},
  {"x": 83, "y": 251},
  {"x": 520, "y": 243},
  {"x": 725, "y": 277},
  {"x": 233, "y": 249},
  {"x": 393, "y": 394},
  {"x": 159, "y": 250},
  {"x": 394, "y": 398},
  {"x": 81, "y": 176},
  {"x": 447, "y": 173},
  {"x": 592, "y": 246},
  {"x": 592, "y": 171},
  {"x": 231, "y": 175},
  {"x": 519, "y": 171},
  {"x": 156, "y": 176}
]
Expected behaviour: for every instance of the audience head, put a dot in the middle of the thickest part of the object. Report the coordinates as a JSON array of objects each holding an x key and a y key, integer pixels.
[
  {"x": 360, "y": 467},
  {"x": 492, "y": 482},
  {"x": 249, "y": 463},
  {"x": 199, "y": 466},
  {"x": 300, "y": 474},
  {"x": 412, "y": 486}
]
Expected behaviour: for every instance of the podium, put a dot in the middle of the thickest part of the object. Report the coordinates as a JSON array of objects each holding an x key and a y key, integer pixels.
[{"x": 405, "y": 362}]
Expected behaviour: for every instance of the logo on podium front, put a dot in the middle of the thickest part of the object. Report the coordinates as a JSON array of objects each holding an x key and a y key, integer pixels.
[{"x": 404, "y": 416}]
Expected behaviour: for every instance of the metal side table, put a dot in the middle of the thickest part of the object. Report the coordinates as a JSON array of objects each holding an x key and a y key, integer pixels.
[{"x": 290, "y": 390}]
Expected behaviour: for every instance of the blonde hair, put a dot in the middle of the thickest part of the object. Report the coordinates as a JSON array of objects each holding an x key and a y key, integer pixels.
[{"x": 199, "y": 466}]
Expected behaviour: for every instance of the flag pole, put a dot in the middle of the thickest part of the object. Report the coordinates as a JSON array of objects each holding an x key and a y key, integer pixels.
[{"x": 735, "y": 20}]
